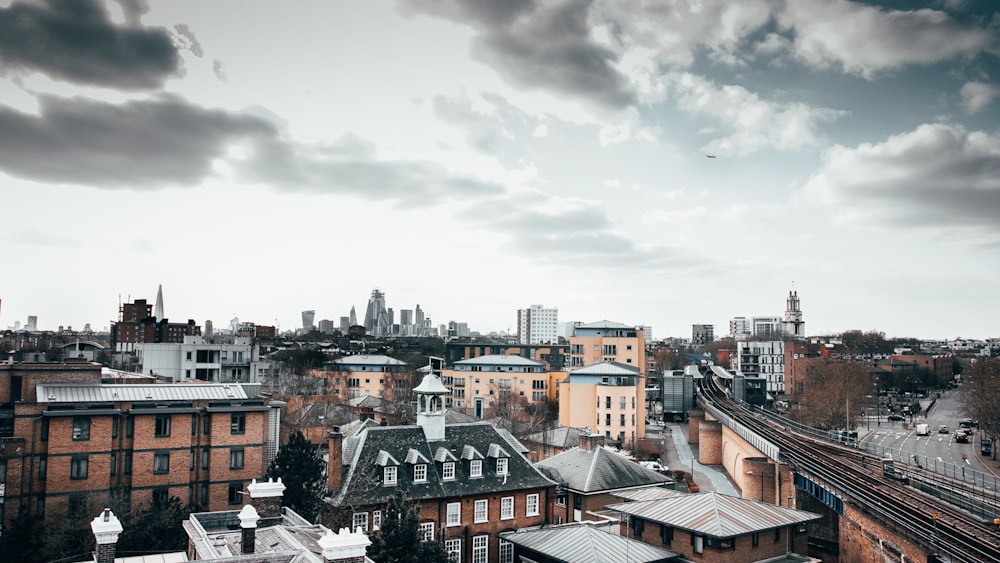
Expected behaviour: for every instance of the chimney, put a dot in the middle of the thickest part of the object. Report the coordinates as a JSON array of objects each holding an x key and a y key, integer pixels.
[
  {"x": 345, "y": 546},
  {"x": 335, "y": 465},
  {"x": 248, "y": 525},
  {"x": 266, "y": 499},
  {"x": 106, "y": 528},
  {"x": 591, "y": 442}
]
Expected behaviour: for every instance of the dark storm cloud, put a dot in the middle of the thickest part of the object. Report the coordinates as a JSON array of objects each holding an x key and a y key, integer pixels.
[
  {"x": 938, "y": 175},
  {"x": 75, "y": 41},
  {"x": 541, "y": 45},
  {"x": 148, "y": 145}
]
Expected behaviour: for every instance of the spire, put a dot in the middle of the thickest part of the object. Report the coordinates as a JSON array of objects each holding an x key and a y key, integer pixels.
[{"x": 158, "y": 309}]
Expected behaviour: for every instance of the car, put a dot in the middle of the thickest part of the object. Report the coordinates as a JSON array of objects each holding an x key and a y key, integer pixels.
[
  {"x": 968, "y": 423},
  {"x": 961, "y": 436},
  {"x": 943, "y": 429},
  {"x": 895, "y": 418}
]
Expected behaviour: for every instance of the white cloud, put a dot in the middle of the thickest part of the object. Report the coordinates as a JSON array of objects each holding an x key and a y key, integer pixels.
[{"x": 977, "y": 95}]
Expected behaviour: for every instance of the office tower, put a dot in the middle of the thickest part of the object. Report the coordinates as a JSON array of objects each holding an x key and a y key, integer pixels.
[
  {"x": 326, "y": 326},
  {"x": 794, "y": 326},
  {"x": 307, "y": 320},
  {"x": 208, "y": 328},
  {"x": 537, "y": 325},
  {"x": 376, "y": 317},
  {"x": 158, "y": 309},
  {"x": 345, "y": 323},
  {"x": 32, "y": 324},
  {"x": 353, "y": 320},
  {"x": 418, "y": 316}
]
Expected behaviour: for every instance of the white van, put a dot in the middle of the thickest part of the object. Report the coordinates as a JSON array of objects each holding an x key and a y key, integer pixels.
[{"x": 923, "y": 429}]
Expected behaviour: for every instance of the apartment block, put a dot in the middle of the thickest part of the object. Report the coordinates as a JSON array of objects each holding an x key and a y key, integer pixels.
[
  {"x": 607, "y": 341},
  {"x": 477, "y": 384},
  {"x": 361, "y": 375},
  {"x": 609, "y": 398}
]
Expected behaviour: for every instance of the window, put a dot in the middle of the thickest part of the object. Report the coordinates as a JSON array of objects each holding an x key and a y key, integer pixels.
[
  {"x": 43, "y": 467},
  {"x": 454, "y": 550},
  {"x": 448, "y": 471},
  {"x": 376, "y": 519},
  {"x": 454, "y": 516},
  {"x": 622, "y": 423},
  {"x": 698, "y": 543},
  {"x": 204, "y": 494},
  {"x": 206, "y": 424},
  {"x": 114, "y": 427},
  {"x": 531, "y": 505},
  {"x": 506, "y": 551},
  {"x": 538, "y": 384},
  {"x": 81, "y": 428},
  {"x": 720, "y": 543},
  {"x": 777, "y": 535},
  {"x": 607, "y": 419},
  {"x": 389, "y": 475},
  {"x": 205, "y": 457},
  {"x": 114, "y": 463},
  {"x": 360, "y": 520},
  {"x": 420, "y": 473},
  {"x": 427, "y": 531},
  {"x": 44, "y": 432},
  {"x": 506, "y": 508},
  {"x": 161, "y": 497},
  {"x": 538, "y": 396},
  {"x": 236, "y": 458},
  {"x": 640, "y": 527},
  {"x": 607, "y": 402},
  {"x": 481, "y": 513},
  {"x": 480, "y": 548},
  {"x": 129, "y": 427},
  {"x": 755, "y": 538},
  {"x": 501, "y": 466},
  {"x": 40, "y": 508},
  {"x": 78, "y": 467},
  {"x": 561, "y": 499},
  {"x": 162, "y": 426},
  {"x": 238, "y": 423},
  {"x": 127, "y": 465},
  {"x": 161, "y": 463},
  {"x": 235, "y": 492},
  {"x": 666, "y": 534},
  {"x": 621, "y": 403},
  {"x": 476, "y": 468}
]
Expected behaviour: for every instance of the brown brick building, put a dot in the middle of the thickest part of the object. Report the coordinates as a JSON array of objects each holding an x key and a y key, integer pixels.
[{"x": 72, "y": 445}]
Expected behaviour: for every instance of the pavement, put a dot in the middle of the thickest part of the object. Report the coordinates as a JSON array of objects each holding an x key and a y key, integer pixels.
[{"x": 680, "y": 456}]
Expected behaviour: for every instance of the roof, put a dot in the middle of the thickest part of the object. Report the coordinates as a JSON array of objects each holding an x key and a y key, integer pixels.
[
  {"x": 500, "y": 359},
  {"x": 217, "y": 535},
  {"x": 97, "y": 392},
  {"x": 560, "y": 437},
  {"x": 368, "y": 360},
  {"x": 598, "y": 470},
  {"x": 582, "y": 543},
  {"x": 605, "y": 324},
  {"x": 714, "y": 514},
  {"x": 647, "y": 493},
  {"x": 606, "y": 368},
  {"x": 366, "y": 401},
  {"x": 362, "y": 483}
]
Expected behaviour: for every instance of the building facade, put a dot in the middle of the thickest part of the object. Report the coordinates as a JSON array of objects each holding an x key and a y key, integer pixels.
[
  {"x": 766, "y": 359},
  {"x": 225, "y": 360},
  {"x": 702, "y": 335},
  {"x": 478, "y": 384},
  {"x": 607, "y": 341},
  {"x": 793, "y": 325},
  {"x": 537, "y": 325},
  {"x": 362, "y": 375},
  {"x": 619, "y": 393}
]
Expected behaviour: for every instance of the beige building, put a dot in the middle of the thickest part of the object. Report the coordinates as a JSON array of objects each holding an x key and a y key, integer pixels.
[
  {"x": 609, "y": 398},
  {"x": 607, "y": 341},
  {"x": 377, "y": 375},
  {"x": 478, "y": 385}
]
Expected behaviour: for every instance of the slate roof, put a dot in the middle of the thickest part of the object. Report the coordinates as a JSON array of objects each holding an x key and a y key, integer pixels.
[
  {"x": 598, "y": 470},
  {"x": 366, "y": 401},
  {"x": 363, "y": 478},
  {"x": 560, "y": 437},
  {"x": 714, "y": 514},
  {"x": 582, "y": 543}
]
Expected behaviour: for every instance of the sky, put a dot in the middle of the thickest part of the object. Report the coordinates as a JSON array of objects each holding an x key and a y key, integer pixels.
[{"x": 650, "y": 162}]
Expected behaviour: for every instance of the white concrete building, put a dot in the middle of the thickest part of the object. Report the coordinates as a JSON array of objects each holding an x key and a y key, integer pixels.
[
  {"x": 537, "y": 325},
  {"x": 197, "y": 358},
  {"x": 763, "y": 359}
]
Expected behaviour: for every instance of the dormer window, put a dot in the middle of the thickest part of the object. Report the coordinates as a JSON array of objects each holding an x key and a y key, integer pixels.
[
  {"x": 448, "y": 471},
  {"x": 501, "y": 466},
  {"x": 390, "y": 467},
  {"x": 389, "y": 475},
  {"x": 420, "y": 473},
  {"x": 476, "y": 468}
]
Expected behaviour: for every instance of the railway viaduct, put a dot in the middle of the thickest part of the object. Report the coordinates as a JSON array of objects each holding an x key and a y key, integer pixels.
[{"x": 848, "y": 533}]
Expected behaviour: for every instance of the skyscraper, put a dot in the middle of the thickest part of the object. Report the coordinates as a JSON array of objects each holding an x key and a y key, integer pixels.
[
  {"x": 376, "y": 316},
  {"x": 537, "y": 325},
  {"x": 353, "y": 319},
  {"x": 158, "y": 309},
  {"x": 307, "y": 320}
]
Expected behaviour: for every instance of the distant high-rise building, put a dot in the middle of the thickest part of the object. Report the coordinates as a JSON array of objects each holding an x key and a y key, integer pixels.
[
  {"x": 376, "y": 316},
  {"x": 353, "y": 319},
  {"x": 326, "y": 326},
  {"x": 406, "y": 317},
  {"x": 740, "y": 328},
  {"x": 234, "y": 325},
  {"x": 702, "y": 334},
  {"x": 307, "y": 320},
  {"x": 345, "y": 323},
  {"x": 766, "y": 327},
  {"x": 537, "y": 325},
  {"x": 208, "y": 328},
  {"x": 418, "y": 316},
  {"x": 794, "y": 326},
  {"x": 32, "y": 325},
  {"x": 158, "y": 309}
]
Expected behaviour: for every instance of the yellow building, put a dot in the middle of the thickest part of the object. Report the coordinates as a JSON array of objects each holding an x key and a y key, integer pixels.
[
  {"x": 607, "y": 397},
  {"x": 607, "y": 341},
  {"x": 377, "y": 375},
  {"x": 477, "y": 385}
]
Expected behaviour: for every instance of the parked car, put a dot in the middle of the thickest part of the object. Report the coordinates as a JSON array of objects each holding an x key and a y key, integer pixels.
[
  {"x": 961, "y": 436},
  {"x": 895, "y": 418}
]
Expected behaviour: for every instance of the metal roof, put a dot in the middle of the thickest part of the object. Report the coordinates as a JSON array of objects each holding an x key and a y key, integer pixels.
[
  {"x": 714, "y": 514},
  {"x": 500, "y": 360},
  {"x": 606, "y": 368},
  {"x": 605, "y": 324},
  {"x": 598, "y": 470},
  {"x": 99, "y": 393},
  {"x": 583, "y": 543},
  {"x": 647, "y": 493},
  {"x": 368, "y": 360}
]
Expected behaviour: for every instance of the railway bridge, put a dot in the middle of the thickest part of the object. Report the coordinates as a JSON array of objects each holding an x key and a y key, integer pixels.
[{"x": 868, "y": 516}]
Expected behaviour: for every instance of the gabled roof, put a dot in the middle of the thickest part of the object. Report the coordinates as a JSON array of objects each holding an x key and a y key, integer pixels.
[
  {"x": 367, "y": 401},
  {"x": 500, "y": 360},
  {"x": 368, "y": 360},
  {"x": 363, "y": 480},
  {"x": 582, "y": 543},
  {"x": 716, "y": 515},
  {"x": 98, "y": 392},
  {"x": 606, "y": 368},
  {"x": 560, "y": 437},
  {"x": 598, "y": 470}
]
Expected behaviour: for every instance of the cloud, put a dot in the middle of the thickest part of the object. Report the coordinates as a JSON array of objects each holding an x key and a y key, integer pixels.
[
  {"x": 938, "y": 175},
  {"x": 977, "y": 95},
  {"x": 149, "y": 145},
  {"x": 539, "y": 227},
  {"x": 35, "y": 237},
  {"x": 77, "y": 42},
  {"x": 755, "y": 123},
  {"x": 543, "y": 45}
]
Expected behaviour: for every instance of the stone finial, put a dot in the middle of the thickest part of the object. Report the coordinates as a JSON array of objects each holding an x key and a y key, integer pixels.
[
  {"x": 344, "y": 545},
  {"x": 106, "y": 527}
]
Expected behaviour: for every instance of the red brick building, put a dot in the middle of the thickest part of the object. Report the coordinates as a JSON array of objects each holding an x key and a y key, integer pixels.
[{"x": 74, "y": 445}]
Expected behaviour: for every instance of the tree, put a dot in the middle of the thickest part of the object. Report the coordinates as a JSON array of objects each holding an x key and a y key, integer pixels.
[
  {"x": 152, "y": 529},
  {"x": 300, "y": 466},
  {"x": 981, "y": 395},
  {"x": 834, "y": 390},
  {"x": 399, "y": 540}
]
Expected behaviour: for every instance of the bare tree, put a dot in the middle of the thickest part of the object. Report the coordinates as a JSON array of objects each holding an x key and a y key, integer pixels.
[
  {"x": 831, "y": 390},
  {"x": 981, "y": 395}
]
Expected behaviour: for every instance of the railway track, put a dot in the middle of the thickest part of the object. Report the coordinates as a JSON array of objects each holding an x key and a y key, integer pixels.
[{"x": 943, "y": 530}]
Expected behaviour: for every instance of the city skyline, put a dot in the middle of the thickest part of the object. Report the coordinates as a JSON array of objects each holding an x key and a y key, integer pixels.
[{"x": 653, "y": 164}]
